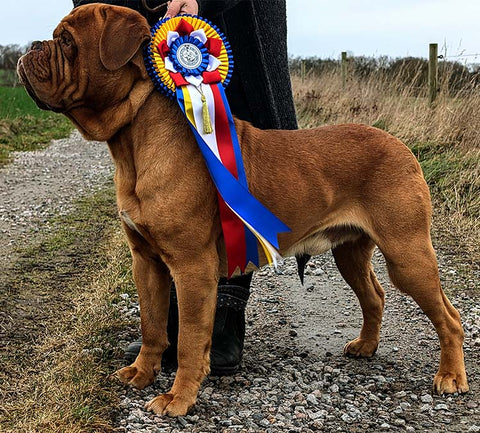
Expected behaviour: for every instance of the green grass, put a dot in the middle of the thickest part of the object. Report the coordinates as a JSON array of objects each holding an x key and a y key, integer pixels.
[
  {"x": 16, "y": 103},
  {"x": 23, "y": 126},
  {"x": 453, "y": 177}
]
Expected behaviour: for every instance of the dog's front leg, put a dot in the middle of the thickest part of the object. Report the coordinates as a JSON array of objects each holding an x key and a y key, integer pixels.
[
  {"x": 196, "y": 284},
  {"x": 153, "y": 282}
]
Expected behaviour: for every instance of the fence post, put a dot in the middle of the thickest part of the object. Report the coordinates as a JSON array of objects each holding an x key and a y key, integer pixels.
[
  {"x": 303, "y": 72},
  {"x": 344, "y": 68},
  {"x": 433, "y": 74}
]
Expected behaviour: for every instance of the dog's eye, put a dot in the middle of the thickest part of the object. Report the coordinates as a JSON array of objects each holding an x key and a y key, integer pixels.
[
  {"x": 67, "y": 45},
  {"x": 66, "y": 39}
]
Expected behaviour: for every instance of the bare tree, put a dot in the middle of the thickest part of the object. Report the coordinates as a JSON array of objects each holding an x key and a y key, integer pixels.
[{"x": 9, "y": 55}]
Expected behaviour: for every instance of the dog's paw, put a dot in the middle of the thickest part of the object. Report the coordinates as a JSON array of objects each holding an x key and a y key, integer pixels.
[
  {"x": 360, "y": 348},
  {"x": 449, "y": 383},
  {"x": 135, "y": 377},
  {"x": 169, "y": 404}
]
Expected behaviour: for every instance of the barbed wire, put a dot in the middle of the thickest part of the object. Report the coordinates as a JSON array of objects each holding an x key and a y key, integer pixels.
[{"x": 443, "y": 56}]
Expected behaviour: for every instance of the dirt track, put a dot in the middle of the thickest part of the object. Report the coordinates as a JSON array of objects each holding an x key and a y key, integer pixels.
[{"x": 294, "y": 376}]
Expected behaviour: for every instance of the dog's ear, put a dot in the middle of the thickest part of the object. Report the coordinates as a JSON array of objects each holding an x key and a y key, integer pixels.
[{"x": 124, "y": 33}]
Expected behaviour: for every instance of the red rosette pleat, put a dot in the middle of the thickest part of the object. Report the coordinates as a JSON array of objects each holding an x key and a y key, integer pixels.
[
  {"x": 163, "y": 49},
  {"x": 214, "y": 46},
  {"x": 184, "y": 28},
  {"x": 211, "y": 77},
  {"x": 178, "y": 79}
]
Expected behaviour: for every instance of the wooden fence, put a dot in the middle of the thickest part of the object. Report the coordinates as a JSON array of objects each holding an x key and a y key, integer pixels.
[{"x": 433, "y": 87}]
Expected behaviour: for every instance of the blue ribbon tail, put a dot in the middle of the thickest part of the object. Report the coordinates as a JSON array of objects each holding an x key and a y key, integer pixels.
[{"x": 240, "y": 199}]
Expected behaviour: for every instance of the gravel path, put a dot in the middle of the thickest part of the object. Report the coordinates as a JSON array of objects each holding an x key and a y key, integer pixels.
[
  {"x": 294, "y": 377},
  {"x": 41, "y": 184}
]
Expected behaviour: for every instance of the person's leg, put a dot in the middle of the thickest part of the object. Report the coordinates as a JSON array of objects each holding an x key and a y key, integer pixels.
[{"x": 229, "y": 328}]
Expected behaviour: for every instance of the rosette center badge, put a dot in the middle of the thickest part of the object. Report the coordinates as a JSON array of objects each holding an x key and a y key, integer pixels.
[{"x": 189, "y": 56}]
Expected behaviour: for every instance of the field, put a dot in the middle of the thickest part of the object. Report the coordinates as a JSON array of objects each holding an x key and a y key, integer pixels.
[
  {"x": 23, "y": 126},
  {"x": 8, "y": 78}
]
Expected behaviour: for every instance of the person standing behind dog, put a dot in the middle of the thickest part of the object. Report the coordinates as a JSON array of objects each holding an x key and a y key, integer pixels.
[{"x": 259, "y": 92}]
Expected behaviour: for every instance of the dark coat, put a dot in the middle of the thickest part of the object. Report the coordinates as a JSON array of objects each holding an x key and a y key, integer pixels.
[
  {"x": 260, "y": 90},
  {"x": 257, "y": 32}
]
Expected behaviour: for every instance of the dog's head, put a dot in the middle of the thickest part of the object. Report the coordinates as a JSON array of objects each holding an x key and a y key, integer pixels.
[{"x": 90, "y": 66}]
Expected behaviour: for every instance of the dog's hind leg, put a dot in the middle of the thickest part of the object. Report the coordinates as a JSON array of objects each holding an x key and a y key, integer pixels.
[
  {"x": 412, "y": 267},
  {"x": 153, "y": 282},
  {"x": 353, "y": 260}
]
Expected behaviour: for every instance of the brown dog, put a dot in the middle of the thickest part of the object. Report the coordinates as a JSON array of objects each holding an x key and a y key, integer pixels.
[{"x": 346, "y": 188}]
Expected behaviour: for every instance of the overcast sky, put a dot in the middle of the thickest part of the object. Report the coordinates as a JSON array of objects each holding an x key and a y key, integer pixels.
[{"x": 320, "y": 28}]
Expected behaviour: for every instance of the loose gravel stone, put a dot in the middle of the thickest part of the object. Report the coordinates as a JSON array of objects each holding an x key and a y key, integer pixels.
[
  {"x": 427, "y": 398},
  {"x": 279, "y": 390},
  {"x": 39, "y": 185}
]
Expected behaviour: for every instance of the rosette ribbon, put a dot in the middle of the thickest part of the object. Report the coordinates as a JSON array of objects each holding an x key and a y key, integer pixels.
[{"x": 188, "y": 58}]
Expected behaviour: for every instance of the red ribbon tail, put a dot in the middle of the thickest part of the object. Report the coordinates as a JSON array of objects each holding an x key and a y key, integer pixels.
[{"x": 234, "y": 235}]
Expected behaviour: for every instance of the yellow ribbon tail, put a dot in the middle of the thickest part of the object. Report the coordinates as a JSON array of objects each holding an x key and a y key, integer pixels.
[{"x": 273, "y": 256}]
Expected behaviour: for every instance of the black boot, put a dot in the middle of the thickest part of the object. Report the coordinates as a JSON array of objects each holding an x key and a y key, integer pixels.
[
  {"x": 228, "y": 330},
  {"x": 169, "y": 357}
]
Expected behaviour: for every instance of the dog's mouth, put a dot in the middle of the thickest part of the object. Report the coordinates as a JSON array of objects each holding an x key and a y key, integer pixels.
[{"x": 28, "y": 87}]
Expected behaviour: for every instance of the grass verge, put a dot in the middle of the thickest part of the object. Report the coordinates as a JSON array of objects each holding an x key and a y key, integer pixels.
[
  {"x": 23, "y": 126},
  {"x": 63, "y": 324}
]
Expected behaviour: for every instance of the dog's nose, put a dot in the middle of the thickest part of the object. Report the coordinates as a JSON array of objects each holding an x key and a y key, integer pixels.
[{"x": 36, "y": 45}]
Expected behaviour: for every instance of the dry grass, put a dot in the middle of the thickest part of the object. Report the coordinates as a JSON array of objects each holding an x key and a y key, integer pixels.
[
  {"x": 400, "y": 108},
  {"x": 445, "y": 137},
  {"x": 73, "y": 385}
]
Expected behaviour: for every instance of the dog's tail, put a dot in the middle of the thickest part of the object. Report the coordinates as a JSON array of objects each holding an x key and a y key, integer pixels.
[{"x": 301, "y": 263}]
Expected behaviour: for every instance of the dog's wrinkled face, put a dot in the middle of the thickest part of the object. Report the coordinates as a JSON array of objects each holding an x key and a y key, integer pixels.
[{"x": 87, "y": 62}]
